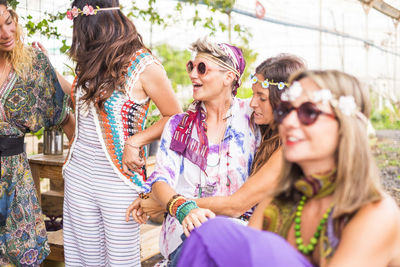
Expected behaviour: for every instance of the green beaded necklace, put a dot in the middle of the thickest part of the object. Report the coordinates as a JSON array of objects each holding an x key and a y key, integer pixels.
[{"x": 307, "y": 249}]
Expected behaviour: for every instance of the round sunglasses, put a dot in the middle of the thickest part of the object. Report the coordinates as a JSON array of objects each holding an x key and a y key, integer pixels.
[
  {"x": 202, "y": 67},
  {"x": 265, "y": 84},
  {"x": 307, "y": 112}
]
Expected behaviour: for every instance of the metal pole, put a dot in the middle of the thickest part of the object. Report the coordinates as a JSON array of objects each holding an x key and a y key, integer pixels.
[
  {"x": 151, "y": 35},
  {"x": 230, "y": 27},
  {"x": 320, "y": 36},
  {"x": 366, "y": 45},
  {"x": 396, "y": 47}
]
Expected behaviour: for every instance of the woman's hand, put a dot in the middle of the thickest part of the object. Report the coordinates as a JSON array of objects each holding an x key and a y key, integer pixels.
[
  {"x": 132, "y": 159},
  {"x": 196, "y": 218},
  {"x": 152, "y": 207},
  {"x": 41, "y": 48},
  {"x": 137, "y": 212}
]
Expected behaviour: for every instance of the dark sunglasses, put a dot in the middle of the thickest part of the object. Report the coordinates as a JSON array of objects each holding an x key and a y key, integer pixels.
[
  {"x": 201, "y": 67},
  {"x": 307, "y": 112}
]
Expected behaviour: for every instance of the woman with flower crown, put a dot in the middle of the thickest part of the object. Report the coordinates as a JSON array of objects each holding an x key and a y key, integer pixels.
[
  {"x": 116, "y": 77},
  {"x": 328, "y": 208}
]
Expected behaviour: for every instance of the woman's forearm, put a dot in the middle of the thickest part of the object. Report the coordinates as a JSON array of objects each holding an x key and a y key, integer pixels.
[
  {"x": 65, "y": 85},
  {"x": 162, "y": 192},
  {"x": 259, "y": 186},
  {"x": 69, "y": 126}
]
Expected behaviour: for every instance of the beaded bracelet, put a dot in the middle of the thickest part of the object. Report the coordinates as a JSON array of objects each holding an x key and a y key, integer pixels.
[
  {"x": 171, "y": 202},
  {"x": 144, "y": 195},
  {"x": 184, "y": 209},
  {"x": 175, "y": 206}
]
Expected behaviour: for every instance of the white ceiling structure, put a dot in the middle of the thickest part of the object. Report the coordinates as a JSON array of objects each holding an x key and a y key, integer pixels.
[{"x": 384, "y": 8}]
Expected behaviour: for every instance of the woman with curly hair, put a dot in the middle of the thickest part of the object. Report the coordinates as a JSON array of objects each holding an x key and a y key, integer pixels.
[{"x": 117, "y": 76}]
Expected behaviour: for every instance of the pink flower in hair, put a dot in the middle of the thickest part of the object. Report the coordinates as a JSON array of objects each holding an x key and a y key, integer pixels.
[
  {"x": 69, "y": 15},
  {"x": 74, "y": 11},
  {"x": 88, "y": 10}
]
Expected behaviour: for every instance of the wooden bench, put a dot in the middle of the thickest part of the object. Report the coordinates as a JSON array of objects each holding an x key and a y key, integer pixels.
[{"x": 149, "y": 235}]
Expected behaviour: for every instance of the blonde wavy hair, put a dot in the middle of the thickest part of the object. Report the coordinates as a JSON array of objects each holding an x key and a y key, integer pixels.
[
  {"x": 358, "y": 181},
  {"x": 21, "y": 57}
]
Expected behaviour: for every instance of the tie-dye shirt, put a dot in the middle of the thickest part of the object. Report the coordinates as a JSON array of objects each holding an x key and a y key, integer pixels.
[{"x": 225, "y": 172}]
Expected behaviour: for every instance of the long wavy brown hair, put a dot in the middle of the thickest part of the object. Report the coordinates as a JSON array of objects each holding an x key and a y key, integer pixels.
[
  {"x": 21, "y": 57},
  {"x": 102, "y": 46},
  {"x": 278, "y": 69}
]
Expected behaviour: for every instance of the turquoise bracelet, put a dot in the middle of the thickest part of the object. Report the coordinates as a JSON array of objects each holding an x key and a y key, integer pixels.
[{"x": 184, "y": 209}]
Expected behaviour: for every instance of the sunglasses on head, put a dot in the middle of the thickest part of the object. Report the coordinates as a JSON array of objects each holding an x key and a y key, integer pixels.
[{"x": 307, "y": 112}]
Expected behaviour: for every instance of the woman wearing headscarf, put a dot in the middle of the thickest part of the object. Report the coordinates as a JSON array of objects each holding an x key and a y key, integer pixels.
[{"x": 207, "y": 151}]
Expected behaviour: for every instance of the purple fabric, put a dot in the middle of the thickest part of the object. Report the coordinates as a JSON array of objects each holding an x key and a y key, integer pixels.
[
  {"x": 182, "y": 141},
  {"x": 241, "y": 63},
  {"x": 223, "y": 242}
]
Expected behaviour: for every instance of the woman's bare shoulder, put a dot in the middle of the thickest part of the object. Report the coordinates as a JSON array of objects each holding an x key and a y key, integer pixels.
[{"x": 375, "y": 231}]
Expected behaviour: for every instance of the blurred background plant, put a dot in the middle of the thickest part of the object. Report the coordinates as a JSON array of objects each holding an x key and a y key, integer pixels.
[{"x": 385, "y": 112}]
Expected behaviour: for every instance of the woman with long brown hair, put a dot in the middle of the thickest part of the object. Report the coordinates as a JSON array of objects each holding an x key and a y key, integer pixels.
[
  {"x": 31, "y": 97},
  {"x": 117, "y": 76}
]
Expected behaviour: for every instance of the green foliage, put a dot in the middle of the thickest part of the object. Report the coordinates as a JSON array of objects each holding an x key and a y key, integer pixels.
[
  {"x": 149, "y": 14},
  {"x": 39, "y": 133},
  {"x": 153, "y": 116},
  {"x": 386, "y": 118},
  {"x": 44, "y": 26},
  {"x": 174, "y": 62},
  {"x": 244, "y": 92},
  {"x": 13, "y": 3}
]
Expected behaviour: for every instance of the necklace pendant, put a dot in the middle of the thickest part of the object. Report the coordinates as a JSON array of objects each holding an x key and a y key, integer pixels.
[{"x": 228, "y": 181}]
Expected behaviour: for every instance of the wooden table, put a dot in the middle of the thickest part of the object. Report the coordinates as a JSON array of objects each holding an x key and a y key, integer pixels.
[{"x": 50, "y": 166}]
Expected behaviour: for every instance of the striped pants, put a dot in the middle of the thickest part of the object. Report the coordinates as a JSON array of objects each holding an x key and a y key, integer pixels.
[{"x": 95, "y": 231}]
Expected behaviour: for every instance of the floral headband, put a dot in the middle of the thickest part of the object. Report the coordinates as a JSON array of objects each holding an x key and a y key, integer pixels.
[
  {"x": 266, "y": 83},
  {"x": 87, "y": 10},
  {"x": 346, "y": 104}
]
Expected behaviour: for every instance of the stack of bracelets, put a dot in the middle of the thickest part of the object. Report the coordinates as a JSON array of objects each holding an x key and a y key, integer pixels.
[{"x": 179, "y": 207}]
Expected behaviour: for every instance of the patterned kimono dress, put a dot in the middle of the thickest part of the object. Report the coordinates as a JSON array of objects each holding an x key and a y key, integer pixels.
[{"x": 26, "y": 105}]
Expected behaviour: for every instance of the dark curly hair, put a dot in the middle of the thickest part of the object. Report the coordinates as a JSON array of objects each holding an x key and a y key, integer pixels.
[{"x": 102, "y": 46}]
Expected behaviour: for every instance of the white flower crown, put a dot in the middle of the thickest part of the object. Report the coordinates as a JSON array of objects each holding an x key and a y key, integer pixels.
[{"x": 346, "y": 104}]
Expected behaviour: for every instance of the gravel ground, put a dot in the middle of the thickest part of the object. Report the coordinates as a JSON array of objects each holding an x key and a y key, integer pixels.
[{"x": 387, "y": 153}]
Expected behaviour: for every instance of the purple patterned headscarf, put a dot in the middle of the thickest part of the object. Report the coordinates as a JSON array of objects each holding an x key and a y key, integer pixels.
[{"x": 235, "y": 54}]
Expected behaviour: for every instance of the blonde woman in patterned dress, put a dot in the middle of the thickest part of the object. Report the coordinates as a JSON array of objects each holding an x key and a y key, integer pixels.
[
  {"x": 30, "y": 98},
  {"x": 117, "y": 76}
]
